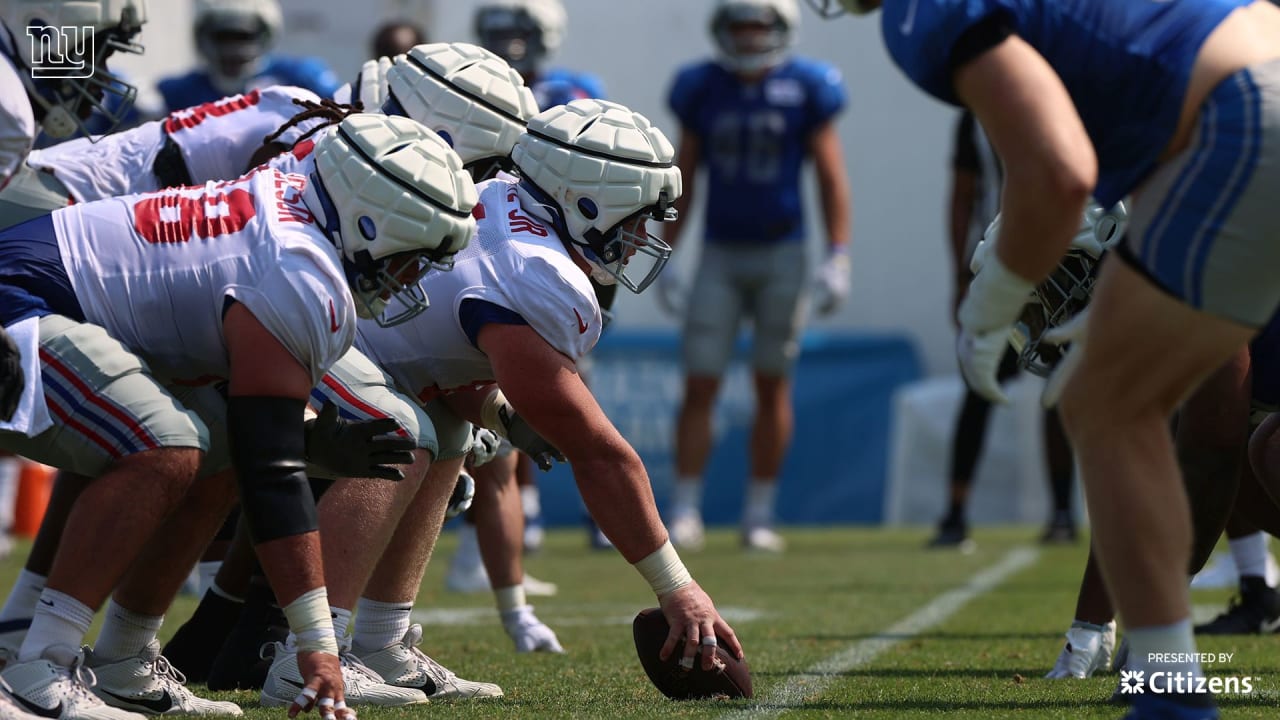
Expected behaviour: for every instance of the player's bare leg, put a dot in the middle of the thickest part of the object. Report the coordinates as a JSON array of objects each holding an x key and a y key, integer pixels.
[
  {"x": 1141, "y": 521},
  {"x": 770, "y": 438},
  {"x": 692, "y": 448}
]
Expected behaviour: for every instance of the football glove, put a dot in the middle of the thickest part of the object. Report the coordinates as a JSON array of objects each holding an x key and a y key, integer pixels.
[
  {"x": 996, "y": 297},
  {"x": 528, "y": 632},
  {"x": 484, "y": 446},
  {"x": 831, "y": 288},
  {"x": 524, "y": 438},
  {"x": 12, "y": 378},
  {"x": 464, "y": 491},
  {"x": 357, "y": 448}
]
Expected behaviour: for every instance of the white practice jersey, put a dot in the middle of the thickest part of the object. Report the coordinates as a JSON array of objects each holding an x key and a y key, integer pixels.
[
  {"x": 156, "y": 270},
  {"x": 217, "y": 140},
  {"x": 17, "y": 122},
  {"x": 514, "y": 261}
]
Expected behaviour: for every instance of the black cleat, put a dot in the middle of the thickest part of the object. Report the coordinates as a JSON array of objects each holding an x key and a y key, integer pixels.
[
  {"x": 1061, "y": 530},
  {"x": 194, "y": 646},
  {"x": 952, "y": 533},
  {"x": 1255, "y": 611},
  {"x": 239, "y": 665}
]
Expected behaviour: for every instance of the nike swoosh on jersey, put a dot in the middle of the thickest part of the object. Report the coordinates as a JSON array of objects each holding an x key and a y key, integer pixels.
[
  {"x": 582, "y": 327},
  {"x": 909, "y": 23},
  {"x": 53, "y": 712},
  {"x": 161, "y": 704}
]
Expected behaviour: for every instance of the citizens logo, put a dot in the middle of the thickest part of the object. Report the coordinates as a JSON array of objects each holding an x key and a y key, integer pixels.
[
  {"x": 64, "y": 53},
  {"x": 1138, "y": 682}
]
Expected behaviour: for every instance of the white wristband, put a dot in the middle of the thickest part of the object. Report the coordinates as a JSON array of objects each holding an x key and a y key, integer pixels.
[
  {"x": 310, "y": 621},
  {"x": 663, "y": 570},
  {"x": 491, "y": 412}
]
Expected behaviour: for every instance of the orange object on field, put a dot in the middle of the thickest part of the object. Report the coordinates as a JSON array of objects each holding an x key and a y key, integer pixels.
[{"x": 35, "y": 485}]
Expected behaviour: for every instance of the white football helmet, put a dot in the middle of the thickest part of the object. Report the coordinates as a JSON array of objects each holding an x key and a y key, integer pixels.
[
  {"x": 596, "y": 170},
  {"x": 468, "y": 95},
  {"x": 754, "y": 51},
  {"x": 1066, "y": 291},
  {"x": 396, "y": 202},
  {"x": 836, "y": 8},
  {"x": 522, "y": 32},
  {"x": 233, "y": 35},
  {"x": 63, "y": 103}
]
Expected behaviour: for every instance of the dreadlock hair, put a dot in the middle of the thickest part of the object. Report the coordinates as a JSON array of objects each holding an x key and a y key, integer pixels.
[{"x": 331, "y": 112}]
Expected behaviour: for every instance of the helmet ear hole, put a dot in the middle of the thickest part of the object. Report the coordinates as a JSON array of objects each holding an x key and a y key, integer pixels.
[
  {"x": 588, "y": 208},
  {"x": 367, "y": 227}
]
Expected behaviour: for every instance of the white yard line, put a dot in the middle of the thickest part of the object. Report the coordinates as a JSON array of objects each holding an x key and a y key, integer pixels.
[{"x": 797, "y": 689}]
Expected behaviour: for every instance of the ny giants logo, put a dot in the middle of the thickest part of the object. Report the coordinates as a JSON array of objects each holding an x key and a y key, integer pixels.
[{"x": 64, "y": 53}]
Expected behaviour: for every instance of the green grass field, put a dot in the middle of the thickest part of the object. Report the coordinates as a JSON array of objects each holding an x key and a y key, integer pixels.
[{"x": 849, "y": 623}]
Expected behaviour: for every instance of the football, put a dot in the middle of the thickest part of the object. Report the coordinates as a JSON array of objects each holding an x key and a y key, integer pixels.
[{"x": 730, "y": 678}]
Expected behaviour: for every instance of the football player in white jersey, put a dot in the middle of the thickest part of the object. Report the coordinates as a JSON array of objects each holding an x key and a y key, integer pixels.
[
  {"x": 214, "y": 141},
  {"x": 258, "y": 281},
  {"x": 519, "y": 310}
]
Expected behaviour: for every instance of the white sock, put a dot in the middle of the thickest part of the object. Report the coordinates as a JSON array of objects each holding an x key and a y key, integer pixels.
[
  {"x": 1250, "y": 554},
  {"x": 10, "y": 470},
  {"x": 688, "y": 496},
  {"x": 125, "y": 633},
  {"x": 1168, "y": 649},
  {"x": 468, "y": 545},
  {"x": 59, "y": 620},
  {"x": 21, "y": 603},
  {"x": 380, "y": 624},
  {"x": 510, "y": 598},
  {"x": 530, "y": 501},
  {"x": 762, "y": 493},
  {"x": 341, "y": 621}
]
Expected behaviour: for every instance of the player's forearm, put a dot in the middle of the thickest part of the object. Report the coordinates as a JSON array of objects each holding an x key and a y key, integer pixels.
[
  {"x": 837, "y": 209},
  {"x": 616, "y": 491},
  {"x": 1040, "y": 214}
]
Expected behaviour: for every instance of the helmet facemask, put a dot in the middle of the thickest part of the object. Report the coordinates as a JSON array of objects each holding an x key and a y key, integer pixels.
[
  {"x": 829, "y": 9},
  {"x": 751, "y": 38},
  {"x": 1058, "y": 299},
  {"x": 628, "y": 250},
  {"x": 514, "y": 35}
]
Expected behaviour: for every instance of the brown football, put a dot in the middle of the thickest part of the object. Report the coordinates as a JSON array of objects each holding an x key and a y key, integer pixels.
[{"x": 731, "y": 678}]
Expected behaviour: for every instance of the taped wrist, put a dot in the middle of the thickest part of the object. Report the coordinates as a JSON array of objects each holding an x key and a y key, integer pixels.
[
  {"x": 494, "y": 411},
  {"x": 663, "y": 570},
  {"x": 311, "y": 622},
  {"x": 268, "y": 450},
  {"x": 996, "y": 296}
]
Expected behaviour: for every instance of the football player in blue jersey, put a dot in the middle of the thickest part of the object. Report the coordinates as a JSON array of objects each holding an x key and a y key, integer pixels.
[
  {"x": 750, "y": 119},
  {"x": 1179, "y": 103},
  {"x": 234, "y": 39}
]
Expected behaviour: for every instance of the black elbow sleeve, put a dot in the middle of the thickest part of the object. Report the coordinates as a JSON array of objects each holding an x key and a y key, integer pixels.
[{"x": 268, "y": 450}]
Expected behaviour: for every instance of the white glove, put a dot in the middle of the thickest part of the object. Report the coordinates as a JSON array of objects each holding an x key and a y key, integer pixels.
[
  {"x": 373, "y": 84},
  {"x": 464, "y": 491},
  {"x": 528, "y": 632},
  {"x": 832, "y": 283},
  {"x": 1071, "y": 333},
  {"x": 485, "y": 444},
  {"x": 672, "y": 293},
  {"x": 996, "y": 297}
]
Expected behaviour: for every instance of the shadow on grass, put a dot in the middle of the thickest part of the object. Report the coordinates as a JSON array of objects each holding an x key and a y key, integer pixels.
[{"x": 940, "y": 636}]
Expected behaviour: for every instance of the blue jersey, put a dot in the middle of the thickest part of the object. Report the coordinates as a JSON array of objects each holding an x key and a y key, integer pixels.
[
  {"x": 754, "y": 141},
  {"x": 1126, "y": 63},
  {"x": 560, "y": 87},
  {"x": 196, "y": 87}
]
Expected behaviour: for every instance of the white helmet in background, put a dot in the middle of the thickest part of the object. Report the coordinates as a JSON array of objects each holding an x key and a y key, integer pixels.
[
  {"x": 476, "y": 101},
  {"x": 1067, "y": 290},
  {"x": 396, "y": 202},
  {"x": 595, "y": 170},
  {"x": 71, "y": 81},
  {"x": 523, "y": 32},
  {"x": 751, "y": 51},
  {"x": 233, "y": 36}
]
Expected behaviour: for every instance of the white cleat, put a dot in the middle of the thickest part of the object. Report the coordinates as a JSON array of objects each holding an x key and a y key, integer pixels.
[
  {"x": 146, "y": 683},
  {"x": 57, "y": 685},
  {"x": 528, "y": 632},
  {"x": 361, "y": 686},
  {"x": 9, "y": 707},
  {"x": 687, "y": 532},
  {"x": 538, "y": 588},
  {"x": 1088, "y": 650},
  {"x": 403, "y": 665},
  {"x": 763, "y": 539}
]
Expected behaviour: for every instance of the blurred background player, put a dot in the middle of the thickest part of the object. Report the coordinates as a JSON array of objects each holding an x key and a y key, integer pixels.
[
  {"x": 976, "y": 180},
  {"x": 395, "y": 38},
  {"x": 526, "y": 33},
  {"x": 234, "y": 40},
  {"x": 752, "y": 117}
]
